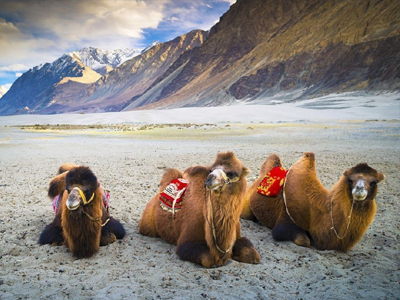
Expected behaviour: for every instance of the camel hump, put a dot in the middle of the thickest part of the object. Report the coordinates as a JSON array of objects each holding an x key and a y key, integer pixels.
[
  {"x": 169, "y": 175},
  {"x": 273, "y": 160},
  {"x": 310, "y": 158},
  {"x": 66, "y": 167},
  {"x": 197, "y": 171}
]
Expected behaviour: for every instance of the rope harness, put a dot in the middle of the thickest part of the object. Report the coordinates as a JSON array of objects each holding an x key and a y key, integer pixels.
[
  {"x": 226, "y": 180},
  {"x": 85, "y": 202},
  {"x": 348, "y": 223}
]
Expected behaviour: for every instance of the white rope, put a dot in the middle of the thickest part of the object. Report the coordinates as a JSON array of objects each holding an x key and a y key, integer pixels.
[
  {"x": 348, "y": 223},
  {"x": 284, "y": 199}
]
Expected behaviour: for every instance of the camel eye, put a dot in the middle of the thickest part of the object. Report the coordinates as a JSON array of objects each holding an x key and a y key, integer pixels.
[
  {"x": 373, "y": 183},
  {"x": 349, "y": 181},
  {"x": 231, "y": 174}
]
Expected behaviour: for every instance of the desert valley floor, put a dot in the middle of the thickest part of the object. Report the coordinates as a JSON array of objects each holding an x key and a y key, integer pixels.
[{"x": 129, "y": 161}]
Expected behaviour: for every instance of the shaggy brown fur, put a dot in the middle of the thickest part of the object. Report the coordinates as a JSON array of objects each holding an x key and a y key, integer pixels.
[
  {"x": 190, "y": 228},
  {"x": 80, "y": 230},
  {"x": 309, "y": 204}
]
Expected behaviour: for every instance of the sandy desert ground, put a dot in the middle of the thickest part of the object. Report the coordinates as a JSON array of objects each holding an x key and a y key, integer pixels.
[{"x": 129, "y": 162}]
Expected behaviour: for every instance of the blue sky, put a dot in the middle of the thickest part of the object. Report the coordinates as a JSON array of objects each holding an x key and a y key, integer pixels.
[{"x": 39, "y": 31}]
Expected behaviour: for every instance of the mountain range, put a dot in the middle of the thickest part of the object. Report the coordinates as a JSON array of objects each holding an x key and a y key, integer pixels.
[{"x": 260, "y": 50}]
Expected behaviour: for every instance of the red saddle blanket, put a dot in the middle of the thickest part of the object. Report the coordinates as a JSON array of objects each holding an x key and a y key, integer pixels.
[
  {"x": 272, "y": 183},
  {"x": 171, "y": 197}
]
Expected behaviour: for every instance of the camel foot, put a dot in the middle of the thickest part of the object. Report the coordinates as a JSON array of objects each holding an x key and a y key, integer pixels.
[
  {"x": 302, "y": 240},
  {"x": 108, "y": 239},
  {"x": 244, "y": 251}
]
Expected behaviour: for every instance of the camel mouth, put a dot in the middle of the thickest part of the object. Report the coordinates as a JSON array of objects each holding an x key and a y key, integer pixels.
[
  {"x": 74, "y": 207},
  {"x": 214, "y": 187},
  {"x": 359, "y": 197},
  {"x": 216, "y": 180}
]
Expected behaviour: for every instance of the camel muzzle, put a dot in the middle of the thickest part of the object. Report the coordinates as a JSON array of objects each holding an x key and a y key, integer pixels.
[
  {"x": 216, "y": 179},
  {"x": 74, "y": 200},
  {"x": 359, "y": 191}
]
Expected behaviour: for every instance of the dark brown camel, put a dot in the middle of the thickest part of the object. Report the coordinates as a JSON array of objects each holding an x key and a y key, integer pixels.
[{"x": 82, "y": 221}]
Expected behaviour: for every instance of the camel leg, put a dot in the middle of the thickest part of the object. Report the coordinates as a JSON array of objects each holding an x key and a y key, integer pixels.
[
  {"x": 112, "y": 231},
  {"x": 244, "y": 251},
  {"x": 52, "y": 233},
  {"x": 246, "y": 213},
  {"x": 195, "y": 252},
  {"x": 147, "y": 224},
  {"x": 288, "y": 231}
]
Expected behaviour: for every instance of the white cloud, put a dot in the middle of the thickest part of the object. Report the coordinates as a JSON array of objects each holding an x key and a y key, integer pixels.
[
  {"x": 44, "y": 28},
  {"x": 13, "y": 68},
  {"x": 39, "y": 31}
]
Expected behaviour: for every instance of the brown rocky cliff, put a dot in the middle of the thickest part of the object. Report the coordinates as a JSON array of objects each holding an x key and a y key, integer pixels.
[{"x": 269, "y": 47}]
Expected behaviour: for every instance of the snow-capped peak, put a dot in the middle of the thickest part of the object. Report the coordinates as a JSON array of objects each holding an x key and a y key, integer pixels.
[
  {"x": 98, "y": 59},
  {"x": 150, "y": 46}
]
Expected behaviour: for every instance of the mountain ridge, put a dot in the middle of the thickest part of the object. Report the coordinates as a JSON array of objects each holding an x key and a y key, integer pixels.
[{"x": 259, "y": 50}]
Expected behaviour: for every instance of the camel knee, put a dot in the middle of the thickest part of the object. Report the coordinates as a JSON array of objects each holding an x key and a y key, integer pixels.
[
  {"x": 291, "y": 232},
  {"x": 113, "y": 226},
  {"x": 195, "y": 252},
  {"x": 244, "y": 251},
  {"x": 52, "y": 234}
]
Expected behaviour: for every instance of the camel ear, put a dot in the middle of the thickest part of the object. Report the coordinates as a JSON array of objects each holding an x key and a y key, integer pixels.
[
  {"x": 380, "y": 176},
  {"x": 245, "y": 172},
  {"x": 57, "y": 185}
]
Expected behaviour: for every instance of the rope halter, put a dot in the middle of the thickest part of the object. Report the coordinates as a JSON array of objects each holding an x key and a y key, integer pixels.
[
  {"x": 83, "y": 196},
  {"x": 222, "y": 183},
  {"x": 223, "y": 180},
  {"x": 85, "y": 202}
]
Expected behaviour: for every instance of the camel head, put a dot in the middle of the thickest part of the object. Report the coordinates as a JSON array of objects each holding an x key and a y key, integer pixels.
[
  {"x": 362, "y": 182},
  {"x": 225, "y": 172},
  {"x": 81, "y": 185}
]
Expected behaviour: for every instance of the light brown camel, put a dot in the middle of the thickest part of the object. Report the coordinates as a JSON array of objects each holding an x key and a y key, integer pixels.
[
  {"x": 307, "y": 213},
  {"x": 206, "y": 228},
  {"x": 82, "y": 221}
]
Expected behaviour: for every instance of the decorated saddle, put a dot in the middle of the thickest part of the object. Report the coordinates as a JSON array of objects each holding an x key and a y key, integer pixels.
[
  {"x": 106, "y": 200},
  {"x": 171, "y": 197},
  {"x": 272, "y": 183}
]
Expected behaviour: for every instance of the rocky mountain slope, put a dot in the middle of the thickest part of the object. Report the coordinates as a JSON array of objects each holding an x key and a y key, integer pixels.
[
  {"x": 38, "y": 88},
  {"x": 3, "y": 90},
  {"x": 288, "y": 49}
]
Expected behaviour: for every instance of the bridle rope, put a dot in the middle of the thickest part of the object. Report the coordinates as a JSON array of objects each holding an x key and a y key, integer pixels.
[
  {"x": 85, "y": 202},
  {"x": 348, "y": 223},
  {"x": 284, "y": 199},
  {"x": 212, "y": 226}
]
